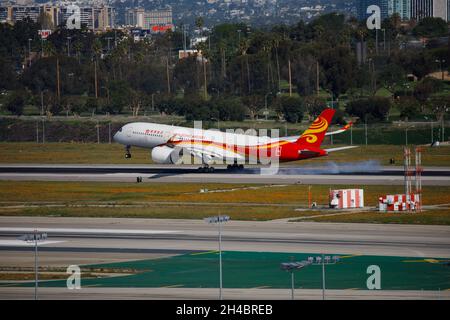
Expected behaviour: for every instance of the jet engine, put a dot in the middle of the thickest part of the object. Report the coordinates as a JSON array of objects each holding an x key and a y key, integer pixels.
[{"x": 166, "y": 155}]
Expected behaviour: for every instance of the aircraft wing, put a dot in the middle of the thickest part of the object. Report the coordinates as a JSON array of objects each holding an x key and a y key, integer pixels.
[
  {"x": 343, "y": 129},
  {"x": 340, "y": 148}
]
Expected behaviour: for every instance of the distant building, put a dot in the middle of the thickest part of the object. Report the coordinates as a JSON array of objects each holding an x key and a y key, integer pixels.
[
  {"x": 430, "y": 8},
  {"x": 4, "y": 14},
  {"x": 93, "y": 17},
  {"x": 421, "y": 9},
  {"x": 400, "y": 7},
  {"x": 155, "y": 20},
  {"x": 440, "y": 9},
  {"x": 448, "y": 10},
  {"x": 99, "y": 18},
  {"x": 406, "y": 9},
  {"x": 183, "y": 54}
]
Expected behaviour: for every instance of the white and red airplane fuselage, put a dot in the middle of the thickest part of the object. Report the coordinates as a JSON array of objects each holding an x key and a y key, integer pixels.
[{"x": 215, "y": 146}]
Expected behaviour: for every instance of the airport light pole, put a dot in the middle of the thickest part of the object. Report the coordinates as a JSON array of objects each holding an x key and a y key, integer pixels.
[
  {"x": 43, "y": 129},
  {"x": 109, "y": 41},
  {"x": 291, "y": 267},
  {"x": 376, "y": 41},
  {"x": 29, "y": 52},
  {"x": 68, "y": 46},
  {"x": 35, "y": 237},
  {"x": 365, "y": 127},
  {"x": 441, "y": 61},
  {"x": 266, "y": 111},
  {"x": 406, "y": 134},
  {"x": 323, "y": 260},
  {"x": 219, "y": 219},
  {"x": 351, "y": 135}
]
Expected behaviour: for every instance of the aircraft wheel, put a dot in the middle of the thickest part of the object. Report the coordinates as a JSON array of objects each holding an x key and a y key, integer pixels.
[{"x": 241, "y": 167}]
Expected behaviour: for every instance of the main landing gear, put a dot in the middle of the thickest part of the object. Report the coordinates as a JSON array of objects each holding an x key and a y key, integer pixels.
[
  {"x": 127, "y": 152},
  {"x": 235, "y": 167}
]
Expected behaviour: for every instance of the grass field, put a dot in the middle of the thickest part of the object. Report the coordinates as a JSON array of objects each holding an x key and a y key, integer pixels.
[
  {"x": 129, "y": 193},
  {"x": 91, "y": 153},
  {"x": 241, "y": 202},
  {"x": 433, "y": 217}
]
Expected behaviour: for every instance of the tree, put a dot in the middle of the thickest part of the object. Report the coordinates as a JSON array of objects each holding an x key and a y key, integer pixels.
[
  {"x": 186, "y": 74},
  {"x": 45, "y": 21},
  {"x": 304, "y": 70},
  {"x": 199, "y": 22},
  {"x": 425, "y": 89},
  {"x": 391, "y": 75},
  {"x": 120, "y": 94},
  {"x": 420, "y": 64},
  {"x": 199, "y": 109},
  {"x": 8, "y": 79},
  {"x": 230, "y": 109},
  {"x": 135, "y": 102},
  {"x": 440, "y": 106},
  {"x": 254, "y": 103},
  {"x": 339, "y": 68},
  {"x": 409, "y": 107},
  {"x": 328, "y": 28},
  {"x": 373, "y": 108},
  {"x": 314, "y": 105},
  {"x": 291, "y": 107},
  {"x": 16, "y": 103},
  {"x": 339, "y": 117},
  {"x": 431, "y": 27},
  {"x": 91, "y": 105},
  {"x": 169, "y": 105}
]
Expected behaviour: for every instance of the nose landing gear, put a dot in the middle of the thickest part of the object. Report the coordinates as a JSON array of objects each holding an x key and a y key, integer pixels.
[{"x": 127, "y": 152}]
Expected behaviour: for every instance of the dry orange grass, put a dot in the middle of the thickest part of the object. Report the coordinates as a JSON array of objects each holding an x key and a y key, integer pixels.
[
  {"x": 190, "y": 193},
  {"x": 428, "y": 217}
]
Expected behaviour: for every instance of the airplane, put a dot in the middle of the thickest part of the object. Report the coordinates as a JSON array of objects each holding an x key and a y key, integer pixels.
[{"x": 169, "y": 144}]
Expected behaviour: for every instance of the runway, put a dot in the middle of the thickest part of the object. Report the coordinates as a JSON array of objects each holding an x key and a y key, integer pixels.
[
  {"x": 208, "y": 293},
  {"x": 105, "y": 240},
  {"x": 161, "y": 236},
  {"x": 324, "y": 174}
]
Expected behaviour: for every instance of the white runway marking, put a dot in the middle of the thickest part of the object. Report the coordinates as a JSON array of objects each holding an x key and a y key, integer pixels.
[
  {"x": 20, "y": 243},
  {"x": 86, "y": 231}
]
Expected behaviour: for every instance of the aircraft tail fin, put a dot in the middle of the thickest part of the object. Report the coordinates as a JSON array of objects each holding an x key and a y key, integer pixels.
[{"x": 315, "y": 134}]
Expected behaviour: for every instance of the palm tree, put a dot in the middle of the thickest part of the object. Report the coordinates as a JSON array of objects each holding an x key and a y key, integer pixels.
[
  {"x": 78, "y": 45},
  {"x": 243, "y": 48},
  {"x": 276, "y": 45},
  {"x": 48, "y": 48},
  {"x": 268, "y": 46},
  {"x": 96, "y": 52}
]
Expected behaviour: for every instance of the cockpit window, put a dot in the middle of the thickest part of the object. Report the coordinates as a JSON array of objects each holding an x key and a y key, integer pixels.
[{"x": 120, "y": 130}]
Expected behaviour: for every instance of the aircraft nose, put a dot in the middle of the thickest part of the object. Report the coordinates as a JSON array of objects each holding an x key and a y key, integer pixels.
[{"x": 116, "y": 137}]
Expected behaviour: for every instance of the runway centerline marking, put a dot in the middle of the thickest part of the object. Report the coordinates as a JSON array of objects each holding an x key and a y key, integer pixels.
[{"x": 87, "y": 231}]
